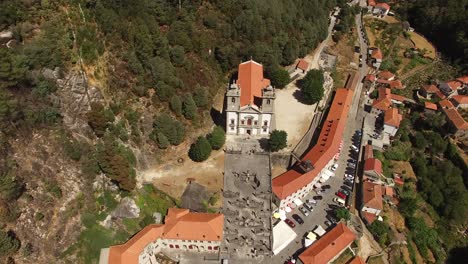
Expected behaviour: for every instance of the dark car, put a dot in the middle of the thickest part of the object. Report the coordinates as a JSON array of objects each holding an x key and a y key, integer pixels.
[
  {"x": 334, "y": 206},
  {"x": 348, "y": 183},
  {"x": 347, "y": 188},
  {"x": 352, "y": 160},
  {"x": 318, "y": 197},
  {"x": 290, "y": 223},
  {"x": 325, "y": 187},
  {"x": 332, "y": 219},
  {"x": 298, "y": 219}
]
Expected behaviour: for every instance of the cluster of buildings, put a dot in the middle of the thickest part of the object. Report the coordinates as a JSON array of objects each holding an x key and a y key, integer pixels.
[
  {"x": 452, "y": 98},
  {"x": 300, "y": 180},
  {"x": 182, "y": 230}
]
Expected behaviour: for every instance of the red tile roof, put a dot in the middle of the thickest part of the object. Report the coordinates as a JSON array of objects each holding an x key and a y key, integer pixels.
[
  {"x": 179, "y": 224},
  {"x": 251, "y": 81},
  {"x": 440, "y": 95},
  {"x": 463, "y": 79},
  {"x": 329, "y": 246},
  {"x": 399, "y": 98},
  {"x": 383, "y": 5},
  {"x": 357, "y": 260},
  {"x": 460, "y": 99},
  {"x": 377, "y": 54},
  {"x": 372, "y": 195},
  {"x": 388, "y": 191},
  {"x": 456, "y": 119},
  {"x": 368, "y": 152},
  {"x": 303, "y": 65},
  {"x": 371, "y": 2},
  {"x": 399, "y": 181},
  {"x": 431, "y": 88},
  {"x": 383, "y": 102},
  {"x": 446, "y": 104},
  {"x": 373, "y": 164},
  {"x": 430, "y": 106},
  {"x": 392, "y": 117},
  {"x": 386, "y": 75},
  {"x": 327, "y": 147},
  {"x": 370, "y": 218},
  {"x": 454, "y": 85},
  {"x": 370, "y": 77}
]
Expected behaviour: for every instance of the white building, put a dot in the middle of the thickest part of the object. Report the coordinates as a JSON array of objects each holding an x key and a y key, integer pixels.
[{"x": 250, "y": 102}]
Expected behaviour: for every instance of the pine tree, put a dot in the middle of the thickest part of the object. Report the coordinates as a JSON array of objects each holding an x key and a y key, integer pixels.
[
  {"x": 277, "y": 140},
  {"x": 200, "y": 150},
  {"x": 189, "y": 108},
  {"x": 217, "y": 138},
  {"x": 9, "y": 244},
  {"x": 176, "y": 105}
]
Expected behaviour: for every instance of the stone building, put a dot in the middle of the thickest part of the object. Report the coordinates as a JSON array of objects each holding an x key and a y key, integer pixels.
[{"x": 250, "y": 102}]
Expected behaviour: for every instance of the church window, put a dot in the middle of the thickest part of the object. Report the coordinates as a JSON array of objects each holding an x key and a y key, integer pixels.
[
  {"x": 233, "y": 100},
  {"x": 268, "y": 101}
]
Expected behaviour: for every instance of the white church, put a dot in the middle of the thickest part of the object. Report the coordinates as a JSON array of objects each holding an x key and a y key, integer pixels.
[{"x": 250, "y": 102}]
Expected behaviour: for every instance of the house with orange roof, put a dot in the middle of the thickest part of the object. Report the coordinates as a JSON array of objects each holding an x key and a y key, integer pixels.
[
  {"x": 369, "y": 80},
  {"x": 395, "y": 84},
  {"x": 464, "y": 84},
  {"x": 430, "y": 107},
  {"x": 386, "y": 75},
  {"x": 428, "y": 91},
  {"x": 182, "y": 230},
  {"x": 330, "y": 246},
  {"x": 392, "y": 121},
  {"x": 250, "y": 102},
  {"x": 299, "y": 181},
  {"x": 302, "y": 65},
  {"x": 385, "y": 100},
  {"x": 450, "y": 88},
  {"x": 368, "y": 151},
  {"x": 371, "y": 2},
  {"x": 372, "y": 203},
  {"x": 460, "y": 101},
  {"x": 457, "y": 124},
  {"x": 381, "y": 9},
  {"x": 376, "y": 57},
  {"x": 373, "y": 168}
]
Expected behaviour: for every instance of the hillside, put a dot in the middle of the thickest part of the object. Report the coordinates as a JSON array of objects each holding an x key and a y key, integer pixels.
[{"x": 94, "y": 92}]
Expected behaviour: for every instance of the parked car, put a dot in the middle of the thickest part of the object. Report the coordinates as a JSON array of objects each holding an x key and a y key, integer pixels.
[
  {"x": 348, "y": 183},
  {"x": 341, "y": 195},
  {"x": 334, "y": 167},
  {"x": 304, "y": 211},
  {"x": 346, "y": 192},
  {"x": 352, "y": 160},
  {"x": 354, "y": 148},
  {"x": 349, "y": 176},
  {"x": 319, "y": 191},
  {"x": 346, "y": 187},
  {"x": 332, "y": 219},
  {"x": 290, "y": 223},
  {"x": 334, "y": 206},
  {"x": 328, "y": 223},
  {"x": 339, "y": 201},
  {"x": 309, "y": 207},
  {"x": 326, "y": 187},
  {"x": 298, "y": 219},
  {"x": 352, "y": 165},
  {"x": 311, "y": 201},
  {"x": 318, "y": 197}
]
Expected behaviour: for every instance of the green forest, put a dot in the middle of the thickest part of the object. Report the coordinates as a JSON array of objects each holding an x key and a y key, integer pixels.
[{"x": 443, "y": 22}]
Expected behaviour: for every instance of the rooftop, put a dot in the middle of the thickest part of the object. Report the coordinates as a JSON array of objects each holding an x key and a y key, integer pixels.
[
  {"x": 179, "y": 224},
  {"x": 463, "y": 79},
  {"x": 303, "y": 65},
  {"x": 357, "y": 260},
  {"x": 251, "y": 81},
  {"x": 329, "y": 246},
  {"x": 456, "y": 119},
  {"x": 325, "y": 149},
  {"x": 386, "y": 75},
  {"x": 370, "y": 77},
  {"x": 392, "y": 117},
  {"x": 460, "y": 99},
  {"x": 372, "y": 195},
  {"x": 431, "y": 88},
  {"x": 431, "y": 106},
  {"x": 373, "y": 164},
  {"x": 377, "y": 54},
  {"x": 446, "y": 104},
  {"x": 383, "y": 5},
  {"x": 454, "y": 85}
]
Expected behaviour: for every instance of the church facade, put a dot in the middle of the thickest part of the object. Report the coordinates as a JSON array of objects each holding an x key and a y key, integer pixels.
[{"x": 250, "y": 102}]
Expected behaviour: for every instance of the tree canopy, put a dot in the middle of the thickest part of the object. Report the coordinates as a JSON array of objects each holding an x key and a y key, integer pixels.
[
  {"x": 200, "y": 150},
  {"x": 312, "y": 86},
  {"x": 217, "y": 138},
  {"x": 278, "y": 140}
]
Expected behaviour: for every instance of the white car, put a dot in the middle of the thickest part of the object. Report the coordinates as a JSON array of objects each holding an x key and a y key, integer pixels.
[
  {"x": 354, "y": 148},
  {"x": 349, "y": 176}
]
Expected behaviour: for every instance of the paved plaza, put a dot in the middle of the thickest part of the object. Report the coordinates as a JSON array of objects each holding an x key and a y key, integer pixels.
[{"x": 247, "y": 203}]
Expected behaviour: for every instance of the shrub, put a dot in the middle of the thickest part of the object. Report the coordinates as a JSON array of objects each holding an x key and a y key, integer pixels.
[
  {"x": 169, "y": 127},
  {"x": 277, "y": 140},
  {"x": 176, "y": 105},
  {"x": 217, "y": 138},
  {"x": 200, "y": 96},
  {"x": 39, "y": 216},
  {"x": 189, "y": 108},
  {"x": 162, "y": 141},
  {"x": 99, "y": 118},
  {"x": 200, "y": 150},
  {"x": 9, "y": 244}
]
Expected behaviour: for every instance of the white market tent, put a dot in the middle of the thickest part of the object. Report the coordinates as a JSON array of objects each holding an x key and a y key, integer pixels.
[
  {"x": 282, "y": 236},
  {"x": 298, "y": 202},
  {"x": 319, "y": 230},
  {"x": 329, "y": 173},
  {"x": 324, "y": 179},
  {"x": 317, "y": 185},
  {"x": 310, "y": 239}
]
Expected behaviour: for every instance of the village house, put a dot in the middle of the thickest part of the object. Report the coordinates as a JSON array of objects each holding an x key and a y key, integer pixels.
[
  {"x": 429, "y": 107},
  {"x": 385, "y": 100},
  {"x": 302, "y": 66},
  {"x": 357, "y": 260},
  {"x": 464, "y": 84},
  {"x": 381, "y": 9},
  {"x": 182, "y": 230},
  {"x": 299, "y": 181},
  {"x": 368, "y": 151},
  {"x": 250, "y": 102},
  {"x": 394, "y": 84},
  {"x": 373, "y": 169},
  {"x": 330, "y": 246},
  {"x": 372, "y": 203},
  {"x": 369, "y": 81},
  {"x": 450, "y": 88},
  {"x": 392, "y": 121},
  {"x": 430, "y": 91},
  {"x": 456, "y": 123},
  {"x": 460, "y": 101},
  {"x": 376, "y": 57},
  {"x": 386, "y": 75}
]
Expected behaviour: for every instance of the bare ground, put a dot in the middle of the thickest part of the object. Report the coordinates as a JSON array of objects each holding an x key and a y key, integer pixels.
[
  {"x": 400, "y": 166},
  {"x": 172, "y": 178}
]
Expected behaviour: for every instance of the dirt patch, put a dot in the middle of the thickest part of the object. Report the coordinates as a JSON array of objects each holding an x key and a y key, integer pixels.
[
  {"x": 404, "y": 168},
  {"x": 427, "y": 219},
  {"x": 173, "y": 178},
  {"x": 277, "y": 171},
  {"x": 395, "y": 219},
  {"x": 419, "y": 258},
  {"x": 423, "y": 44},
  {"x": 292, "y": 116}
]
